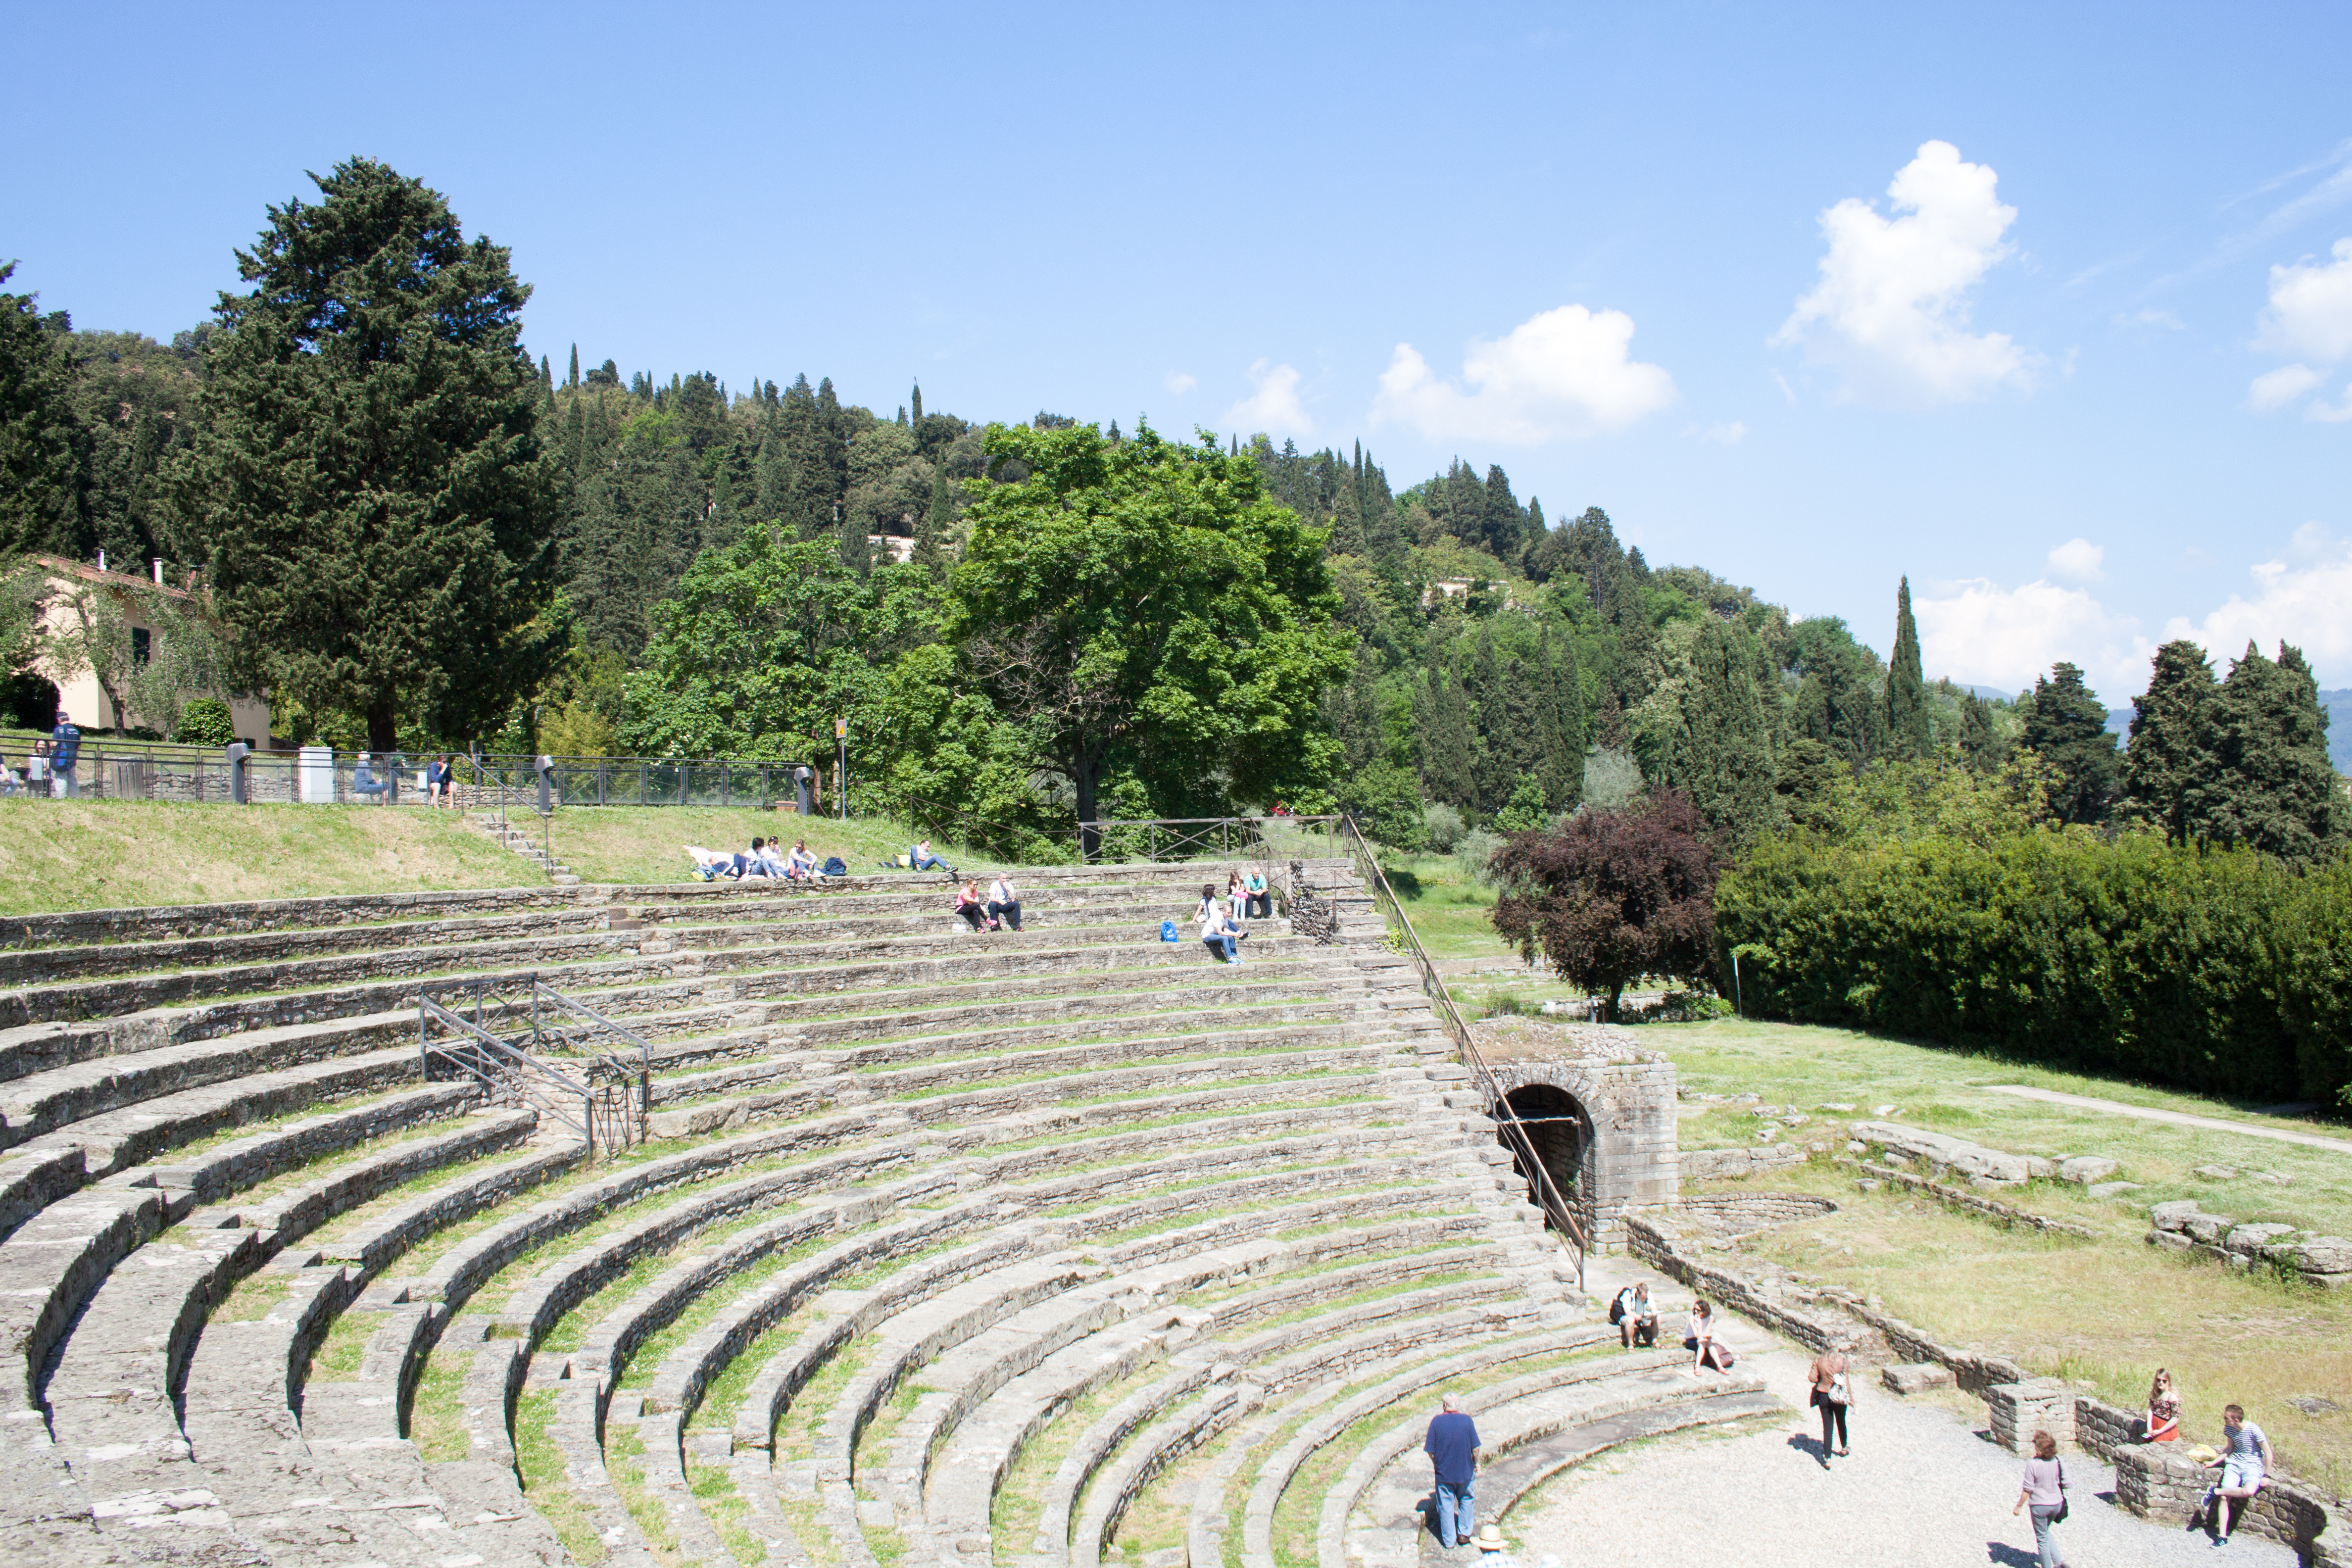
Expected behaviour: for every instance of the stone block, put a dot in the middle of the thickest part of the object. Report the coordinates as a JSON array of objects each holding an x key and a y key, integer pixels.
[
  {"x": 2173, "y": 1215},
  {"x": 2020, "y": 1409},
  {"x": 2040, "y": 1168},
  {"x": 2216, "y": 1172},
  {"x": 2112, "y": 1189},
  {"x": 2248, "y": 1240},
  {"x": 2208, "y": 1228},
  {"x": 2085, "y": 1168},
  {"x": 2322, "y": 1255},
  {"x": 1917, "y": 1377}
]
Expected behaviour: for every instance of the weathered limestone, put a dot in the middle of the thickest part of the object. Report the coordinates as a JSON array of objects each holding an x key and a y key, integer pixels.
[{"x": 1622, "y": 1159}]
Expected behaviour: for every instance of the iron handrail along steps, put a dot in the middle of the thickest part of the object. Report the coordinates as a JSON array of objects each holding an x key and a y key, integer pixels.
[{"x": 614, "y": 1092}]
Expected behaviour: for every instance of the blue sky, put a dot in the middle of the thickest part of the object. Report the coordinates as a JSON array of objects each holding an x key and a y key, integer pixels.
[{"x": 2041, "y": 306}]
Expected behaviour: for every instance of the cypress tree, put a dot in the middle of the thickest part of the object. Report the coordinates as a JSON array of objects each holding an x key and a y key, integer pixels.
[
  {"x": 915, "y": 402},
  {"x": 573, "y": 380},
  {"x": 1503, "y": 527},
  {"x": 809, "y": 509},
  {"x": 1980, "y": 748},
  {"x": 2270, "y": 785},
  {"x": 1909, "y": 732},
  {"x": 833, "y": 427},
  {"x": 2066, "y": 725},
  {"x": 2169, "y": 753},
  {"x": 1721, "y": 756},
  {"x": 377, "y": 518},
  {"x": 931, "y": 529}
]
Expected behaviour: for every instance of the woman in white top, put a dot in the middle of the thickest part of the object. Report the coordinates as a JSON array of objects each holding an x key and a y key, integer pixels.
[
  {"x": 1700, "y": 1342},
  {"x": 1217, "y": 929}
]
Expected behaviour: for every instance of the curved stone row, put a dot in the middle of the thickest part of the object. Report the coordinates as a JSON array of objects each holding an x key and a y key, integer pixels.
[{"x": 941, "y": 1235}]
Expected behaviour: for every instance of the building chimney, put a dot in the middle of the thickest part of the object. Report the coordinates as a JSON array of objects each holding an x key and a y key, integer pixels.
[
  {"x": 102, "y": 559},
  {"x": 159, "y": 571}
]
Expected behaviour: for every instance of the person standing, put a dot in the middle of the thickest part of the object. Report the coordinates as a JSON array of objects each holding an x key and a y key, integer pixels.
[
  {"x": 1833, "y": 1380},
  {"x": 2163, "y": 1409},
  {"x": 2246, "y": 1461},
  {"x": 1452, "y": 1445},
  {"x": 64, "y": 749},
  {"x": 2044, "y": 1493},
  {"x": 1004, "y": 901}
]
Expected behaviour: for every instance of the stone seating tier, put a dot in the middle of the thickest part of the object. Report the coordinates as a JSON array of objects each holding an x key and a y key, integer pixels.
[{"x": 940, "y": 1236}]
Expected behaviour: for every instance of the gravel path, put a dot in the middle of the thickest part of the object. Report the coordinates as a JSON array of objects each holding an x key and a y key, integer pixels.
[
  {"x": 1921, "y": 1490},
  {"x": 2172, "y": 1118}
]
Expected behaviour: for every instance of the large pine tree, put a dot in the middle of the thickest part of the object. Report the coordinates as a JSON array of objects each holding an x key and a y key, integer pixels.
[
  {"x": 40, "y": 441},
  {"x": 2170, "y": 748},
  {"x": 370, "y": 499},
  {"x": 1909, "y": 732},
  {"x": 2269, "y": 785},
  {"x": 2066, "y": 723}
]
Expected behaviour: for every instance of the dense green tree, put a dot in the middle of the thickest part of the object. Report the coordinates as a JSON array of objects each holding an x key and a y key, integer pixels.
[
  {"x": 1149, "y": 612},
  {"x": 1716, "y": 748},
  {"x": 370, "y": 497},
  {"x": 2169, "y": 753},
  {"x": 41, "y": 442},
  {"x": 2066, "y": 726},
  {"x": 2267, "y": 784},
  {"x": 1837, "y": 701},
  {"x": 1910, "y": 733},
  {"x": 1982, "y": 747}
]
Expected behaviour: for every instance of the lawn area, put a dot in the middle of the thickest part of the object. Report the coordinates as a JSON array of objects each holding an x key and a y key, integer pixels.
[
  {"x": 110, "y": 854},
  {"x": 647, "y": 843},
  {"x": 1450, "y": 909},
  {"x": 2106, "y": 1313}
]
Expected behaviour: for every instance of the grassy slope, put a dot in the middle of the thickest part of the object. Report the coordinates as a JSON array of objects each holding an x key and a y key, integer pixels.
[
  {"x": 1449, "y": 909},
  {"x": 2106, "y": 1312},
  {"x": 80, "y": 855}
]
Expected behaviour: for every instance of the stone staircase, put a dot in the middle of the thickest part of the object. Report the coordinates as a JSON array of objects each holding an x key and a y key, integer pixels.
[
  {"x": 1040, "y": 1247},
  {"x": 519, "y": 842}
]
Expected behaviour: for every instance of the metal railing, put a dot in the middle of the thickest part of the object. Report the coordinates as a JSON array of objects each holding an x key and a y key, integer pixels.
[
  {"x": 1556, "y": 1209},
  {"x": 1161, "y": 840},
  {"x": 516, "y": 1020}
]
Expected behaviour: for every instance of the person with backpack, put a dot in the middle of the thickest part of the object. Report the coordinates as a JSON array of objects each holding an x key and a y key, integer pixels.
[
  {"x": 2044, "y": 1493},
  {"x": 1636, "y": 1315},
  {"x": 1832, "y": 1379},
  {"x": 64, "y": 751}
]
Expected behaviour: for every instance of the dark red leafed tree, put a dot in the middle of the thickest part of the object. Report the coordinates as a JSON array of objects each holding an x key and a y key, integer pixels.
[{"x": 1611, "y": 896}]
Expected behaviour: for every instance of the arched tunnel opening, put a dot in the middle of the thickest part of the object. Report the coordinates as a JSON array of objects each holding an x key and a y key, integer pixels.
[{"x": 1561, "y": 1134}]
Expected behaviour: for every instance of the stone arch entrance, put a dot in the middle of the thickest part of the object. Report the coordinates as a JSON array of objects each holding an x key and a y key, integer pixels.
[
  {"x": 1560, "y": 1129},
  {"x": 1603, "y": 1128}
]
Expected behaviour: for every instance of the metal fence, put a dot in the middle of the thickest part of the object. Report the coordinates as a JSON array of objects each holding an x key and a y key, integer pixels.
[{"x": 1160, "y": 841}]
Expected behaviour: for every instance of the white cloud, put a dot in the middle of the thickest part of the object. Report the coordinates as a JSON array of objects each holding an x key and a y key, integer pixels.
[
  {"x": 1273, "y": 407},
  {"x": 1891, "y": 308},
  {"x": 2078, "y": 560},
  {"x": 1981, "y": 633},
  {"x": 2303, "y": 598},
  {"x": 2275, "y": 389},
  {"x": 2310, "y": 313},
  {"x": 1730, "y": 434},
  {"x": 2163, "y": 321},
  {"x": 1178, "y": 383},
  {"x": 2336, "y": 413},
  {"x": 1559, "y": 375}
]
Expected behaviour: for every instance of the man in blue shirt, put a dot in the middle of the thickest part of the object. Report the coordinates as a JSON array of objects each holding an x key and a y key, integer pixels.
[
  {"x": 65, "y": 745},
  {"x": 1453, "y": 1447}
]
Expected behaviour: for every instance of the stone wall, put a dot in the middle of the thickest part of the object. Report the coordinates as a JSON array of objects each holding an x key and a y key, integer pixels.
[
  {"x": 1715, "y": 1164},
  {"x": 1657, "y": 1245},
  {"x": 1976, "y": 1203},
  {"x": 1629, "y": 1165}
]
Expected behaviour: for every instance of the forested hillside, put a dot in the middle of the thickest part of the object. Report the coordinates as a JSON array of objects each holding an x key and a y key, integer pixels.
[{"x": 682, "y": 568}]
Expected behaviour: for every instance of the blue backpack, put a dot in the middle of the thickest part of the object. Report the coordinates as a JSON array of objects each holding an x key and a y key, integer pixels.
[
  {"x": 835, "y": 868},
  {"x": 1167, "y": 931}
]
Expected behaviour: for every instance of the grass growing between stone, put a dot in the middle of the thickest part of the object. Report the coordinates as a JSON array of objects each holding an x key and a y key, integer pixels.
[
  {"x": 540, "y": 1463},
  {"x": 138, "y": 854}
]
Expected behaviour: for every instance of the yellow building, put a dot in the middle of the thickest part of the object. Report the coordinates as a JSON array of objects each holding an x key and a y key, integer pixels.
[{"x": 82, "y": 694}]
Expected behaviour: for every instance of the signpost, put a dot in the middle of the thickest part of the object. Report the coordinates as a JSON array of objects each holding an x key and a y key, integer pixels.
[{"x": 841, "y": 766}]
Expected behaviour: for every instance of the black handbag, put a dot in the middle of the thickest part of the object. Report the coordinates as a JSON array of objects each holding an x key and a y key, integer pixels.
[{"x": 2060, "y": 1517}]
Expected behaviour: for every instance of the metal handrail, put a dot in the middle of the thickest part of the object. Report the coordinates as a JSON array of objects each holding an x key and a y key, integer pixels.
[
  {"x": 1548, "y": 1197},
  {"x": 1205, "y": 833},
  {"x": 509, "y": 1058},
  {"x": 499, "y": 1066}
]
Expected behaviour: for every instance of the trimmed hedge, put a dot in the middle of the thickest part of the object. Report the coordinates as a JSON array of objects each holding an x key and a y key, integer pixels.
[{"x": 2217, "y": 970}]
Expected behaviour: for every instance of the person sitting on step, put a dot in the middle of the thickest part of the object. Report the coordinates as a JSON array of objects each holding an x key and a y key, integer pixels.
[
  {"x": 1636, "y": 1315},
  {"x": 970, "y": 906}
]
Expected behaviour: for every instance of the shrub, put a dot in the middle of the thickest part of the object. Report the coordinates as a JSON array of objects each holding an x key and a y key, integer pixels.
[
  {"x": 205, "y": 723},
  {"x": 1474, "y": 850},
  {"x": 1445, "y": 826},
  {"x": 2217, "y": 970}
]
